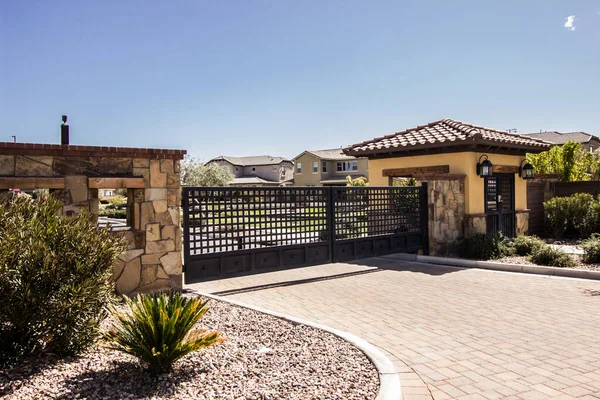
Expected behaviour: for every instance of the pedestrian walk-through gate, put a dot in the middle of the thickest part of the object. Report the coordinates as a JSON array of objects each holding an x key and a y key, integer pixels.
[{"x": 230, "y": 231}]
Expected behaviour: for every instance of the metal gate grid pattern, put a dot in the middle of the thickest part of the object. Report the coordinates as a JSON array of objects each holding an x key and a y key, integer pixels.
[{"x": 233, "y": 230}]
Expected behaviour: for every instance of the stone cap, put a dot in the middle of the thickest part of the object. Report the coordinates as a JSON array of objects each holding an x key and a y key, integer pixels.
[{"x": 59, "y": 150}]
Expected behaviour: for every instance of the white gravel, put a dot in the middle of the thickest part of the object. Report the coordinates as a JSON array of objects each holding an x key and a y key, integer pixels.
[{"x": 263, "y": 358}]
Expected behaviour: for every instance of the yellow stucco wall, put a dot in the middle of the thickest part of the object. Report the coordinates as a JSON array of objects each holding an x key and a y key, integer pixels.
[{"x": 460, "y": 163}]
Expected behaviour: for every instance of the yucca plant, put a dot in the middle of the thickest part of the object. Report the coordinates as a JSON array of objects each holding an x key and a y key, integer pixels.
[{"x": 157, "y": 329}]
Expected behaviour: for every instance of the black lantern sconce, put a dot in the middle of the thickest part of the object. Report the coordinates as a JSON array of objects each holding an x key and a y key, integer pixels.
[
  {"x": 526, "y": 171},
  {"x": 485, "y": 168}
]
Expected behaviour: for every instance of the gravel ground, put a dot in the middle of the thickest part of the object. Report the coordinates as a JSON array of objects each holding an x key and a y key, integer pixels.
[
  {"x": 263, "y": 358},
  {"x": 525, "y": 261}
]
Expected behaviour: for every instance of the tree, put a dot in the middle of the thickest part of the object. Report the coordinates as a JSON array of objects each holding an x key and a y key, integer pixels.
[
  {"x": 195, "y": 173},
  {"x": 568, "y": 161},
  {"x": 361, "y": 181}
]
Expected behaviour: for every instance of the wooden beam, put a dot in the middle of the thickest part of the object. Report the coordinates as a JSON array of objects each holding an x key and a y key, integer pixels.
[
  {"x": 31, "y": 183},
  {"x": 506, "y": 169},
  {"x": 116, "y": 183},
  {"x": 408, "y": 172}
]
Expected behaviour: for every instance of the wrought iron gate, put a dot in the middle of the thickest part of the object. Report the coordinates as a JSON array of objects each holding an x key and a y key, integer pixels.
[{"x": 230, "y": 231}]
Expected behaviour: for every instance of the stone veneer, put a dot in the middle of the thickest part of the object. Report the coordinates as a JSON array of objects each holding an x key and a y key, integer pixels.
[
  {"x": 522, "y": 222},
  {"x": 446, "y": 198},
  {"x": 153, "y": 260}
]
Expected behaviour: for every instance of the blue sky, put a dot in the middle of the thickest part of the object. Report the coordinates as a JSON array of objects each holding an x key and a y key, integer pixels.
[{"x": 277, "y": 77}]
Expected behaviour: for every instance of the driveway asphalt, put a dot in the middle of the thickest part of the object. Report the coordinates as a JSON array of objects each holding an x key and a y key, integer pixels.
[{"x": 452, "y": 333}]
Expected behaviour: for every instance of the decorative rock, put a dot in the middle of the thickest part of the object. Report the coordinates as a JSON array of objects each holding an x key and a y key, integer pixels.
[
  {"x": 143, "y": 172},
  {"x": 78, "y": 186},
  {"x": 130, "y": 255},
  {"x": 147, "y": 215},
  {"x": 166, "y": 166},
  {"x": 34, "y": 166},
  {"x": 130, "y": 277},
  {"x": 178, "y": 239},
  {"x": 7, "y": 165},
  {"x": 176, "y": 166},
  {"x": 148, "y": 274},
  {"x": 168, "y": 232},
  {"x": 171, "y": 263},
  {"x": 160, "y": 206},
  {"x": 152, "y": 258},
  {"x": 152, "y": 232},
  {"x": 141, "y": 163},
  {"x": 158, "y": 179},
  {"x": 160, "y": 246},
  {"x": 156, "y": 194}
]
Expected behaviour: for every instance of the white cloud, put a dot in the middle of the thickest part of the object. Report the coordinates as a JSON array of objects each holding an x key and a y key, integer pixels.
[{"x": 570, "y": 24}]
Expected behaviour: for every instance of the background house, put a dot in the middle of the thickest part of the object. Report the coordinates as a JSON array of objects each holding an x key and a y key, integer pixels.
[
  {"x": 588, "y": 142},
  {"x": 327, "y": 167},
  {"x": 257, "y": 170}
]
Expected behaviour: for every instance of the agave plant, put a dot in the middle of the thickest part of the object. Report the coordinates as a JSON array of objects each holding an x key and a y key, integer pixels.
[{"x": 157, "y": 329}]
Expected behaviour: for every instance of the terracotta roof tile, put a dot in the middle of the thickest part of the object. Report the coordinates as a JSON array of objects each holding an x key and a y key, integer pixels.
[{"x": 443, "y": 133}]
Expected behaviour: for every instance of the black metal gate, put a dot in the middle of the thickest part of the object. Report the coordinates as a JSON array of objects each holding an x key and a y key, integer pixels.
[{"x": 231, "y": 231}]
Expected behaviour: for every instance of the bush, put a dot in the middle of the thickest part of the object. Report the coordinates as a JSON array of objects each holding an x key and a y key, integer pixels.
[
  {"x": 552, "y": 257},
  {"x": 584, "y": 213},
  {"x": 557, "y": 212},
  {"x": 55, "y": 278},
  {"x": 485, "y": 247},
  {"x": 591, "y": 249},
  {"x": 110, "y": 213},
  {"x": 524, "y": 245},
  {"x": 156, "y": 329},
  {"x": 117, "y": 201}
]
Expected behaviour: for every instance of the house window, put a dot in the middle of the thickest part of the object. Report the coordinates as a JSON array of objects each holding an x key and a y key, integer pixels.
[
  {"x": 253, "y": 169},
  {"x": 324, "y": 166},
  {"x": 343, "y": 166},
  {"x": 298, "y": 167},
  {"x": 315, "y": 167}
]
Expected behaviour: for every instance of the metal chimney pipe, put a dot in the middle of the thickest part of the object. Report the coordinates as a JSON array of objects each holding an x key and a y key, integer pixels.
[{"x": 64, "y": 131}]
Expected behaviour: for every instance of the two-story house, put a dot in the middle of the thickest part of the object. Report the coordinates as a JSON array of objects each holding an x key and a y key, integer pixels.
[
  {"x": 327, "y": 168},
  {"x": 588, "y": 142},
  {"x": 257, "y": 170}
]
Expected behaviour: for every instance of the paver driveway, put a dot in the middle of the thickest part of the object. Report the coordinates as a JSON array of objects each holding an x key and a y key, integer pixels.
[{"x": 453, "y": 333}]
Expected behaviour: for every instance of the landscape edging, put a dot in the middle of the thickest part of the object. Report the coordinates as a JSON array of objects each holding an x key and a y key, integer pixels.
[
  {"x": 526, "y": 269},
  {"x": 389, "y": 382}
]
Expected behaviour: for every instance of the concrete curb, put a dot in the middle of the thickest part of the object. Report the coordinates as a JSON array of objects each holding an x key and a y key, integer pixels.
[
  {"x": 389, "y": 382},
  {"x": 526, "y": 269}
]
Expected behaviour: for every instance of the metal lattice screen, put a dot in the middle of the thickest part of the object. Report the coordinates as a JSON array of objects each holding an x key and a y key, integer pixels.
[{"x": 228, "y": 219}]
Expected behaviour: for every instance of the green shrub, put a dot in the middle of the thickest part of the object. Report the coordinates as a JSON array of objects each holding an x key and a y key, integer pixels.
[
  {"x": 157, "y": 329},
  {"x": 584, "y": 213},
  {"x": 591, "y": 249},
  {"x": 557, "y": 212},
  {"x": 55, "y": 278},
  {"x": 111, "y": 213},
  {"x": 524, "y": 245},
  {"x": 485, "y": 247},
  {"x": 117, "y": 201},
  {"x": 552, "y": 257}
]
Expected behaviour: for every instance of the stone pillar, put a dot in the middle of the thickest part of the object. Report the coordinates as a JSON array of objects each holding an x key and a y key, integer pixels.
[
  {"x": 522, "y": 222},
  {"x": 475, "y": 223}
]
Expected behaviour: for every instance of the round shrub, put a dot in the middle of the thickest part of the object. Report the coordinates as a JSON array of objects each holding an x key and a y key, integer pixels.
[
  {"x": 591, "y": 249},
  {"x": 552, "y": 257},
  {"x": 483, "y": 246},
  {"x": 55, "y": 278},
  {"x": 524, "y": 245}
]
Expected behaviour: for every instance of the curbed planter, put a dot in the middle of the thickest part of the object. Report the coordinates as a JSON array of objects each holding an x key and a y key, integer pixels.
[
  {"x": 496, "y": 266},
  {"x": 389, "y": 382}
]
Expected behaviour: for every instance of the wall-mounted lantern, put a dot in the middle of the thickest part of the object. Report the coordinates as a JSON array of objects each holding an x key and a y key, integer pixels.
[
  {"x": 526, "y": 171},
  {"x": 485, "y": 168}
]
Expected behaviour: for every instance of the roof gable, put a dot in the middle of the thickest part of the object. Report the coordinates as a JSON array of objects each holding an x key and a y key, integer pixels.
[
  {"x": 327, "y": 154},
  {"x": 251, "y": 160},
  {"x": 562, "y": 138}
]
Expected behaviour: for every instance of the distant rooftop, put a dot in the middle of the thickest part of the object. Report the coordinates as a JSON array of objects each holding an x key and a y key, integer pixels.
[
  {"x": 562, "y": 138},
  {"x": 328, "y": 154},
  {"x": 251, "y": 160}
]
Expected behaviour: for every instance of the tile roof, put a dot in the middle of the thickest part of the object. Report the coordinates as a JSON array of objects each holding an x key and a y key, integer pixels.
[
  {"x": 247, "y": 180},
  {"x": 562, "y": 138},
  {"x": 251, "y": 160},
  {"x": 330, "y": 154},
  {"x": 443, "y": 134}
]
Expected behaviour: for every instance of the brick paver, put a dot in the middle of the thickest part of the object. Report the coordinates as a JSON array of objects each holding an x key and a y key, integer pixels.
[{"x": 453, "y": 333}]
